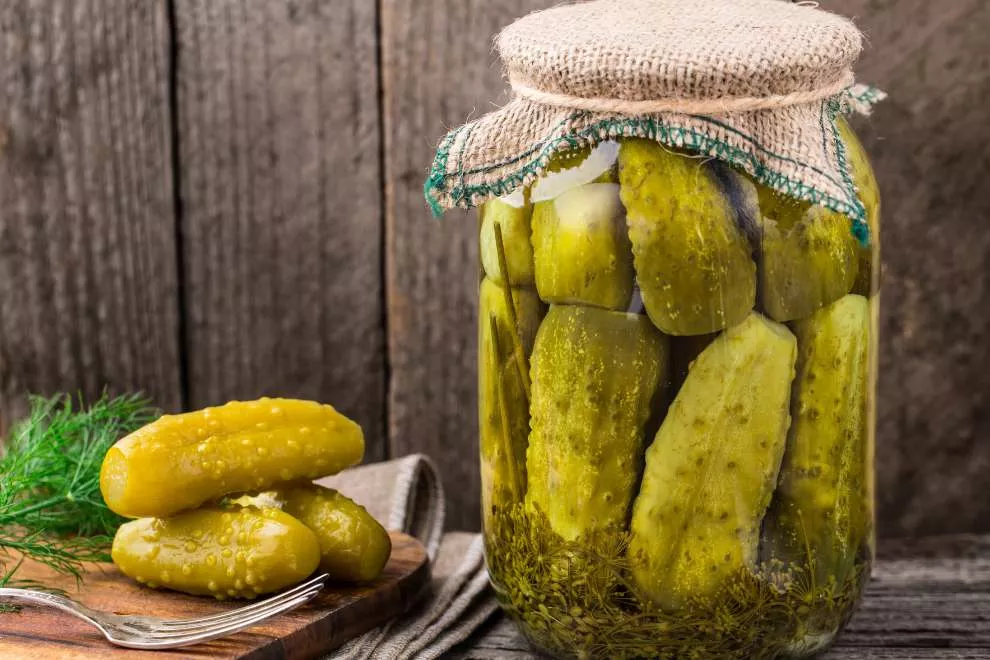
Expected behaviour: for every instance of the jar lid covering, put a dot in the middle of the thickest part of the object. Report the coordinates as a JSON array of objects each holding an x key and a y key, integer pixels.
[
  {"x": 755, "y": 83},
  {"x": 656, "y": 50}
]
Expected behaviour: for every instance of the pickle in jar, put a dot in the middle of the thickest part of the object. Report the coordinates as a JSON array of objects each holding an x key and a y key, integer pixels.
[
  {"x": 808, "y": 256},
  {"x": 510, "y": 225},
  {"x": 182, "y": 461},
  {"x": 505, "y": 342},
  {"x": 581, "y": 248},
  {"x": 225, "y": 553},
  {"x": 820, "y": 518},
  {"x": 712, "y": 468},
  {"x": 868, "y": 272},
  {"x": 597, "y": 375},
  {"x": 694, "y": 264}
]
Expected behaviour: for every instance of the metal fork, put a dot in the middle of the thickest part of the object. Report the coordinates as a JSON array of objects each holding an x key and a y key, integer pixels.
[{"x": 146, "y": 632}]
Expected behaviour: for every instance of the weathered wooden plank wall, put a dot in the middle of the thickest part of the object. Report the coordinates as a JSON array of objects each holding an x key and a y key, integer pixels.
[
  {"x": 281, "y": 204},
  {"x": 302, "y": 260},
  {"x": 87, "y": 236}
]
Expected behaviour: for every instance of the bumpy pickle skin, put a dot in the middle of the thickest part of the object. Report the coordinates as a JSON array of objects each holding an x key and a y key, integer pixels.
[
  {"x": 502, "y": 398},
  {"x": 181, "y": 461},
  {"x": 581, "y": 248},
  {"x": 514, "y": 224},
  {"x": 820, "y": 518},
  {"x": 712, "y": 468},
  {"x": 868, "y": 273},
  {"x": 596, "y": 377},
  {"x": 808, "y": 256},
  {"x": 693, "y": 263},
  {"x": 354, "y": 547},
  {"x": 224, "y": 553}
]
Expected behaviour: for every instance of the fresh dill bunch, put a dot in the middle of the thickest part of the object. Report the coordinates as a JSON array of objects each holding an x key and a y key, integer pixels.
[{"x": 51, "y": 509}]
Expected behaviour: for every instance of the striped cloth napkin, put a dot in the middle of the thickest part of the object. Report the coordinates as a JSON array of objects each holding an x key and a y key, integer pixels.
[{"x": 405, "y": 494}]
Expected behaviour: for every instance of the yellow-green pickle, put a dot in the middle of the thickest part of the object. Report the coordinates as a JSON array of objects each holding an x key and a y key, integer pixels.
[
  {"x": 676, "y": 407},
  {"x": 235, "y": 552},
  {"x": 354, "y": 547},
  {"x": 182, "y": 461}
]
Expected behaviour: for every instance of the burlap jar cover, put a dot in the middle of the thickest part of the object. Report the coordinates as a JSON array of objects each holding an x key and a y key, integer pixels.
[{"x": 755, "y": 83}]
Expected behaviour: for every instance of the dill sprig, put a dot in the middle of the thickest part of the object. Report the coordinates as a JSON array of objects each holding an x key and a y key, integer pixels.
[{"x": 51, "y": 509}]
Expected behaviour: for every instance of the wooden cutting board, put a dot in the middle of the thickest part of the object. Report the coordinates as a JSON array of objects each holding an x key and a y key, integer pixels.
[{"x": 337, "y": 615}]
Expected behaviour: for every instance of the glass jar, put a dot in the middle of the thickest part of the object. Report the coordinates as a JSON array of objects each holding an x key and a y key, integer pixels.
[{"x": 676, "y": 389}]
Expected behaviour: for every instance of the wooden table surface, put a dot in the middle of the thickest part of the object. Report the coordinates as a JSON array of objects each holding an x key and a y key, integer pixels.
[{"x": 928, "y": 598}]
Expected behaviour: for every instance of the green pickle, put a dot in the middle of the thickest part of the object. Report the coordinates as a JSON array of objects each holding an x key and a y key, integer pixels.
[
  {"x": 581, "y": 247},
  {"x": 182, "y": 461},
  {"x": 712, "y": 468},
  {"x": 505, "y": 342},
  {"x": 225, "y": 553},
  {"x": 808, "y": 256},
  {"x": 596, "y": 375},
  {"x": 820, "y": 519},
  {"x": 354, "y": 547},
  {"x": 867, "y": 279},
  {"x": 693, "y": 261},
  {"x": 514, "y": 226}
]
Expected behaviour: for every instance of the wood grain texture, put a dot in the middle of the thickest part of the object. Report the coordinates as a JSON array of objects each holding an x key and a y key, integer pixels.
[
  {"x": 438, "y": 69},
  {"x": 338, "y": 614},
  {"x": 932, "y": 605},
  {"x": 281, "y": 210},
  {"x": 87, "y": 250},
  {"x": 930, "y": 144}
]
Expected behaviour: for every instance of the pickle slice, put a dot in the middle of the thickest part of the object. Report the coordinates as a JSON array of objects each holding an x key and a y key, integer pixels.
[
  {"x": 867, "y": 282},
  {"x": 504, "y": 344},
  {"x": 181, "y": 461},
  {"x": 581, "y": 248},
  {"x": 712, "y": 468},
  {"x": 596, "y": 374},
  {"x": 820, "y": 518},
  {"x": 354, "y": 547},
  {"x": 808, "y": 256},
  {"x": 225, "y": 553},
  {"x": 514, "y": 224},
  {"x": 693, "y": 262}
]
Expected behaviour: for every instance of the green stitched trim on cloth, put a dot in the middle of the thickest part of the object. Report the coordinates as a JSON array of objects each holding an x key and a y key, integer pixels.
[{"x": 452, "y": 186}]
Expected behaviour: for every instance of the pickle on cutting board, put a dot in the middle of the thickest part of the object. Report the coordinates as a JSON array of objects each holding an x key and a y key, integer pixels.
[
  {"x": 867, "y": 280},
  {"x": 596, "y": 376},
  {"x": 225, "y": 553},
  {"x": 822, "y": 506},
  {"x": 354, "y": 547},
  {"x": 807, "y": 256},
  {"x": 693, "y": 262},
  {"x": 712, "y": 468},
  {"x": 514, "y": 226},
  {"x": 505, "y": 342},
  {"x": 181, "y": 461},
  {"x": 581, "y": 248}
]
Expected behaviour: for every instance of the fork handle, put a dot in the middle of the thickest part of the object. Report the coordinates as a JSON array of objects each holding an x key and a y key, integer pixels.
[{"x": 49, "y": 599}]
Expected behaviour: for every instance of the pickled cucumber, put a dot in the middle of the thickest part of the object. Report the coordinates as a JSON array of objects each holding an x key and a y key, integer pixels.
[
  {"x": 504, "y": 347},
  {"x": 821, "y": 506},
  {"x": 693, "y": 262},
  {"x": 808, "y": 256},
  {"x": 354, "y": 547},
  {"x": 869, "y": 193},
  {"x": 235, "y": 553},
  {"x": 581, "y": 248},
  {"x": 514, "y": 224},
  {"x": 596, "y": 375},
  {"x": 712, "y": 468},
  {"x": 181, "y": 461}
]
